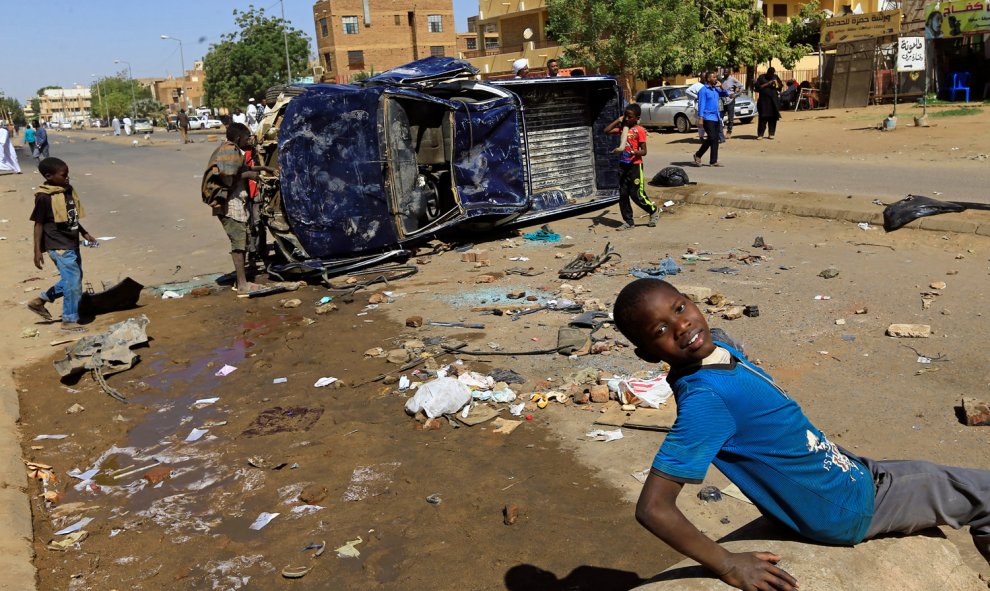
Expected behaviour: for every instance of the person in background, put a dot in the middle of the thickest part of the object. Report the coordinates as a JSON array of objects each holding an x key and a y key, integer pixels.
[
  {"x": 692, "y": 93},
  {"x": 710, "y": 117},
  {"x": 29, "y": 136},
  {"x": 553, "y": 70},
  {"x": 115, "y": 124},
  {"x": 767, "y": 103},
  {"x": 40, "y": 142},
  {"x": 734, "y": 87},
  {"x": 252, "y": 116},
  {"x": 128, "y": 125},
  {"x": 8, "y": 157},
  {"x": 577, "y": 73},
  {"x": 520, "y": 68},
  {"x": 183, "y": 122}
]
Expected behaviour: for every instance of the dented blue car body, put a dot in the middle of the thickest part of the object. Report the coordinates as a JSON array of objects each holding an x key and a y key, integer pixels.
[{"x": 422, "y": 148}]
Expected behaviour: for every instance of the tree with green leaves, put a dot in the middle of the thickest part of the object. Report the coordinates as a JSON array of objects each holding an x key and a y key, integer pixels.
[
  {"x": 736, "y": 33},
  {"x": 246, "y": 63},
  {"x": 10, "y": 109},
  {"x": 628, "y": 39},
  {"x": 115, "y": 92}
]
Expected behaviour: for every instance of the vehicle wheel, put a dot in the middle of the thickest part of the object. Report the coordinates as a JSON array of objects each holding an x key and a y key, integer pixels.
[
  {"x": 682, "y": 124},
  {"x": 746, "y": 120},
  {"x": 271, "y": 95}
]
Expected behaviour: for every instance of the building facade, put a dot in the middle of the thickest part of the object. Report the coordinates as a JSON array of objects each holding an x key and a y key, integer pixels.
[
  {"x": 181, "y": 93},
  {"x": 368, "y": 36},
  {"x": 65, "y": 105},
  {"x": 507, "y": 31}
]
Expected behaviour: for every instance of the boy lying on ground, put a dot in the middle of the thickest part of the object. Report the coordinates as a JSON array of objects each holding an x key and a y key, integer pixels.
[{"x": 732, "y": 414}]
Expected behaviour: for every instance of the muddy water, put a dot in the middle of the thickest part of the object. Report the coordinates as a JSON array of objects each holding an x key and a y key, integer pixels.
[{"x": 192, "y": 531}]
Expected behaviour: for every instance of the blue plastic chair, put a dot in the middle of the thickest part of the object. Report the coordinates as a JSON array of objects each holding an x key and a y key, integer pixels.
[{"x": 960, "y": 83}]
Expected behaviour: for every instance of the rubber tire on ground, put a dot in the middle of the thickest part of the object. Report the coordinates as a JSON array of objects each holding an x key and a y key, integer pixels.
[
  {"x": 681, "y": 124},
  {"x": 271, "y": 95}
]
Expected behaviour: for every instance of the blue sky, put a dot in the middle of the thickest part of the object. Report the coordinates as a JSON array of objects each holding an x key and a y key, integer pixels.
[{"x": 63, "y": 42}]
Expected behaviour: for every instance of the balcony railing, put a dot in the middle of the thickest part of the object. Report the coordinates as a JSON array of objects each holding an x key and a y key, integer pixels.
[{"x": 511, "y": 49}]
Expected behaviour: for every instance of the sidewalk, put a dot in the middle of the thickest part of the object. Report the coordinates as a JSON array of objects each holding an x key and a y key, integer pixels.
[{"x": 854, "y": 209}]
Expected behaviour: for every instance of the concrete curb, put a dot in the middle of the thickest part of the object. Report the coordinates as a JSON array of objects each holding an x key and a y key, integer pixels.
[
  {"x": 16, "y": 545},
  {"x": 818, "y": 205}
]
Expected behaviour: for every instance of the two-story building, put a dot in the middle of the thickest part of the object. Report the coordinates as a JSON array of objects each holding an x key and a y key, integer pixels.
[
  {"x": 368, "y": 36},
  {"x": 507, "y": 31}
]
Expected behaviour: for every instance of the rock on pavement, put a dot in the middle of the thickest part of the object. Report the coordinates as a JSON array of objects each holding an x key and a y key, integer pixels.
[{"x": 911, "y": 563}]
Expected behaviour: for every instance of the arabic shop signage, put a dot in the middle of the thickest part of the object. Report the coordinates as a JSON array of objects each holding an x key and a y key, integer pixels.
[
  {"x": 911, "y": 54},
  {"x": 851, "y": 27},
  {"x": 957, "y": 18}
]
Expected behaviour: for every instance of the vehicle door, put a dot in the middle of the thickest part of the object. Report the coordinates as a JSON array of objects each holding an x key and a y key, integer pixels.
[{"x": 646, "y": 101}]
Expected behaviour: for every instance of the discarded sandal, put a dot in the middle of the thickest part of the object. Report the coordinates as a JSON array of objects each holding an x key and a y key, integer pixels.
[{"x": 296, "y": 572}]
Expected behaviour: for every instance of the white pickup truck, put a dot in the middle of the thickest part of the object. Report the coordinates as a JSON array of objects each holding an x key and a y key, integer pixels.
[{"x": 204, "y": 122}]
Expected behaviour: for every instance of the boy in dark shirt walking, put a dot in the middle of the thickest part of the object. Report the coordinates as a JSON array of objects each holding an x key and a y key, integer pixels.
[
  {"x": 631, "y": 183},
  {"x": 732, "y": 414},
  {"x": 57, "y": 210}
]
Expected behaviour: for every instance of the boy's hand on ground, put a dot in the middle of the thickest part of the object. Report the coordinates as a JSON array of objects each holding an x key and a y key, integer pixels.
[
  {"x": 756, "y": 571},
  {"x": 39, "y": 260}
]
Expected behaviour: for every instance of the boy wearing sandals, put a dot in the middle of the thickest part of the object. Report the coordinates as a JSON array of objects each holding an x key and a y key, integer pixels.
[{"x": 56, "y": 215}]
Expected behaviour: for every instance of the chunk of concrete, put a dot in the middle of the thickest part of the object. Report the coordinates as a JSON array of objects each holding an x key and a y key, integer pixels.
[
  {"x": 912, "y": 331},
  {"x": 912, "y": 563},
  {"x": 695, "y": 293},
  {"x": 977, "y": 412}
]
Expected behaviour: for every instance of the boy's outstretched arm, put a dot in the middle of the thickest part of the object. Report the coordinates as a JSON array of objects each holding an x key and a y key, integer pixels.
[{"x": 751, "y": 571}]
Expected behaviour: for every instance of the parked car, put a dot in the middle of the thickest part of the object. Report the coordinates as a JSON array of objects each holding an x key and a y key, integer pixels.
[
  {"x": 204, "y": 122},
  {"x": 143, "y": 126},
  {"x": 670, "y": 106},
  {"x": 422, "y": 148}
]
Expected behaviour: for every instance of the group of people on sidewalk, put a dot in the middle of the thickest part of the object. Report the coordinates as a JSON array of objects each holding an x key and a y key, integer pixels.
[
  {"x": 35, "y": 138},
  {"x": 716, "y": 109}
]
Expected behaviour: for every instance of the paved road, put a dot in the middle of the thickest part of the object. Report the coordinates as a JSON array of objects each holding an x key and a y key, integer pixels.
[{"x": 879, "y": 177}]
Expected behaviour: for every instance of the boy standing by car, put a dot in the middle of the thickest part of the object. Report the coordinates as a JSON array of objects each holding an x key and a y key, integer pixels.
[
  {"x": 631, "y": 183},
  {"x": 225, "y": 189},
  {"x": 732, "y": 414},
  {"x": 56, "y": 215}
]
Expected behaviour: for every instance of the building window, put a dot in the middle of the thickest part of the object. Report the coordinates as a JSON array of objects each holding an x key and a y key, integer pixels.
[
  {"x": 491, "y": 43},
  {"x": 780, "y": 10},
  {"x": 472, "y": 43},
  {"x": 435, "y": 23},
  {"x": 326, "y": 60},
  {"x": 350, "y": 25},
  {"x": 355, "y": 60},
  {"x": 398, "y": 20},
  {"x": 436, "y": 50},
  {"x": 323, "y": 27}
]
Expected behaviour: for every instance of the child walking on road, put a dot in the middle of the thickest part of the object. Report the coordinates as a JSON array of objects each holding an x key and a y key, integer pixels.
[
  {"x": 732, "y": 414},
  {"x": 56, "y": 215},
  {"x": 631, "y": 182}
]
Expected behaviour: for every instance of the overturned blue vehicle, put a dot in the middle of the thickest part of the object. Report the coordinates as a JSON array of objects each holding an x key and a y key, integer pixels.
[{"x": 369, "y": 169}]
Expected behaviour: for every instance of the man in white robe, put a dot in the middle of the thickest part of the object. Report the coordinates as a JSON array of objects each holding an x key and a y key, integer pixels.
[{"x": 8, "y": 157}]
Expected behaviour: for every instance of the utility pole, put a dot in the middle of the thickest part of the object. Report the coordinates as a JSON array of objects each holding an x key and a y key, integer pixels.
[
  {"x": 182, "y": 59},
  {"x": 285, "y": 38},
  {"x": 99, "y": 95}
]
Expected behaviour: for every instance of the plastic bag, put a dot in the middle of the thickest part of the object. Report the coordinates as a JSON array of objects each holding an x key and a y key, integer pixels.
[
  {"x": 671, "y": 176},
  {"x": 439, "y": 397},
  {"x": 914, "y": 207}
]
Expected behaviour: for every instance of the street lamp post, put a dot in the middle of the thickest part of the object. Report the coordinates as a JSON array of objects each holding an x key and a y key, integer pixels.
[
  {"x": 99, "y": 95},
  {"x": 130, "y": 76},
  {"x": 182, "y": 59},
  {"x": 285, "y": 38}
]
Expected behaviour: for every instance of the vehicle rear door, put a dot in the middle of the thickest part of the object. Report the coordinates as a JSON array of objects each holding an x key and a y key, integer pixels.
[{"x": 647, "y": 102}]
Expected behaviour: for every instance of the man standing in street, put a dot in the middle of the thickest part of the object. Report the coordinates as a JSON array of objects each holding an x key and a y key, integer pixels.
[
  {"x": 183, "y": 121},
  {"x": 767, "y": 104},
  {"x": 553, "y": 70},
  {"x": 709, "y": 117},
  {"x": 252, "y": 116},
  {"x": 734, "y": 87}
]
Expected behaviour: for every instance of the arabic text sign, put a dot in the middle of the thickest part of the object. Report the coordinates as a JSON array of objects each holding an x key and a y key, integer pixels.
[
  {"x": 840, "y": 29},
  {"x": 911, "y": 54},
  {"x": 957, "y": 18}
]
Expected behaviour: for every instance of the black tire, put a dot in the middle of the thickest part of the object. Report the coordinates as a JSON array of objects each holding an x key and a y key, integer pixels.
[
  {"x": 746, "y": 120},
  {"x": 681, "y": 124},
  {"x": 271, "y": 95}
]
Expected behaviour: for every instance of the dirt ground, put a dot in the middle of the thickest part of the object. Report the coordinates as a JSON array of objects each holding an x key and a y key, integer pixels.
[{"x": 378, "y": 466}]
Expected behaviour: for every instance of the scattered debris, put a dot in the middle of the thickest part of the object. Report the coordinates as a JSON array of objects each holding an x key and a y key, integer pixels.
[
  {"x": 510, "y": 513},
  {"x": 588, "y": 262},
  {"x": 604, "y": 435},
  {"x": 226, "y": 370},
  {"x": 829, "y": 273},
  {"x": 349, "y": 550},
  {"x": 710, "y": 494},
  {"x": 264, "y": 518},
  {"x": 106, "y": 353},
  {"x": 505, "y": 426},
  {"x": 434, "y": 499},
  {"x": 279, "y": 420}
]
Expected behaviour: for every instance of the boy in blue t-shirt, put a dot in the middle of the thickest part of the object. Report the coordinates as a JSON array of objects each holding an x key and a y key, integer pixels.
[{"x": 732, "y": 414}]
